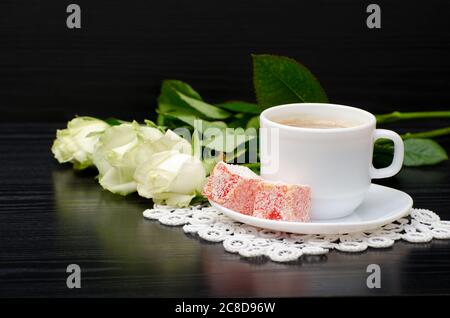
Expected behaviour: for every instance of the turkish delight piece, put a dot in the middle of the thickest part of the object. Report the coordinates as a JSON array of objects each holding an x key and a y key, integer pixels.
[
  {"x": 286, "y": 202},
  {"x": 233, "y": 187}
]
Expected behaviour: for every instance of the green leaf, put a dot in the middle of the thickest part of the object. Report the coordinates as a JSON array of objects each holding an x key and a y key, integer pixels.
[
  {"x": 241, "y": 107},
  {"x": 382, "y": 154},
  {"x": 194, "y": 121},
  {"x": 421, "y": 152},
  {"x": 114, "y": 121},
  {"x": 151, "y": 124},
  {"x": 281, "y": 80},
  {"x": 231, "y": 157},
  {"x": 255, "y": 167},
  {"x": 418, "y": 152},
  {"x": 238, "y": 120},
  {"x": 210, "y": 111},
  {"x": 253, "y": 122},
  {"x": 169, "y": 100},
  {"x": 198, "y": 199},
  {"x": 181, "y": 87},
  {"x": 209, "y": 163},
  {"x": 227, "y": 140},
  {"x": 161, "y": 120}
]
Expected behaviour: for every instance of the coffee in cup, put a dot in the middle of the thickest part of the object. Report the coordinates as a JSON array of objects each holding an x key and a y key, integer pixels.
[{"x": 328, "y": 147}]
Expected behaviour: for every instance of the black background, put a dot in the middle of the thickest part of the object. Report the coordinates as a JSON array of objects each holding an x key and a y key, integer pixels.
[
  {"x": 51, "y": 216},
  {"x": 114, "y": 64}
]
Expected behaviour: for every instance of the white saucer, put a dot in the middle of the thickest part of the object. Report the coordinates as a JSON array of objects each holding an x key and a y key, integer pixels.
[{"x": 381, "y": 206}]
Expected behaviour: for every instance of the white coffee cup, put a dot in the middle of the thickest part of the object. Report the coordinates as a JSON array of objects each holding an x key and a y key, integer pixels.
[{"x": 335, "y": 162}]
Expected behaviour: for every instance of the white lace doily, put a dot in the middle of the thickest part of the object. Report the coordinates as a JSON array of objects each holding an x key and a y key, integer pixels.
[{"x": 420, "y": 226}]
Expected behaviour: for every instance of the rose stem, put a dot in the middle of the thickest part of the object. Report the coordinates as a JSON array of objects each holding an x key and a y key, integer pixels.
[
  {"x": 396, "y": 116},
  {"x": 428, "y": 134}
]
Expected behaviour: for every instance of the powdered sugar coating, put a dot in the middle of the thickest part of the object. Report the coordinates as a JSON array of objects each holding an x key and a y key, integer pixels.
[
  {"x": 233, "y": 186},
  {"x": 240, "y": 189},
  {"x": 286, "y": 202}
]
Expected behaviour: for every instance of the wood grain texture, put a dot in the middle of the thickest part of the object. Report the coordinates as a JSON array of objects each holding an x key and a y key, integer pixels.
[{"x": 51, "y": 216}]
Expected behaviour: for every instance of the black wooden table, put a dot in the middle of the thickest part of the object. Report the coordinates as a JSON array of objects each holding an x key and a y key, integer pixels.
[{"x": 51, "y": 216}]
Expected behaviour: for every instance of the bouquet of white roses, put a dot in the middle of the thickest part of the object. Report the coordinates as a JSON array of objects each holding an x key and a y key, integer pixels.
[{"x": 130, "y": 157}]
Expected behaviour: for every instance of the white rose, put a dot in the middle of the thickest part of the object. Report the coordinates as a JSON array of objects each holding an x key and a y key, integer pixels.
[
  {"x": 116, "y": 152},
  {"x": 170, "y": 177},
  {"x": 170, "y": 141},
  {"x": 76, "y": 143},
  {"x": 122, "y": 148}
]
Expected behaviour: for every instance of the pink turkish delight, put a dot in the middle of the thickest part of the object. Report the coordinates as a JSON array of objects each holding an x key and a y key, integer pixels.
[
  {"x": 233, "y": 187},
  {"x": 286, "y": 202},
  {"x": 240, "y": 189}
]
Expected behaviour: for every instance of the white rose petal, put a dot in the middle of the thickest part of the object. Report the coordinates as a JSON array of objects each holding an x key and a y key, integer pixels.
[
  {"x": 171, "y": 177},
  {"x": 115, "y": 155},
  {"x": 76, "y": 143},
  {"x": 169, "y": 141}
]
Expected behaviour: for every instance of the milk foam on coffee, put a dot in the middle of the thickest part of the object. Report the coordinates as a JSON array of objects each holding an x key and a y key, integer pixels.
[{"x": 313, "y": 122}]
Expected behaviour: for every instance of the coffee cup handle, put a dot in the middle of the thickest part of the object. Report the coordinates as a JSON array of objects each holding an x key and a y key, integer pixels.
[{"x": 397, "y": 161}]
